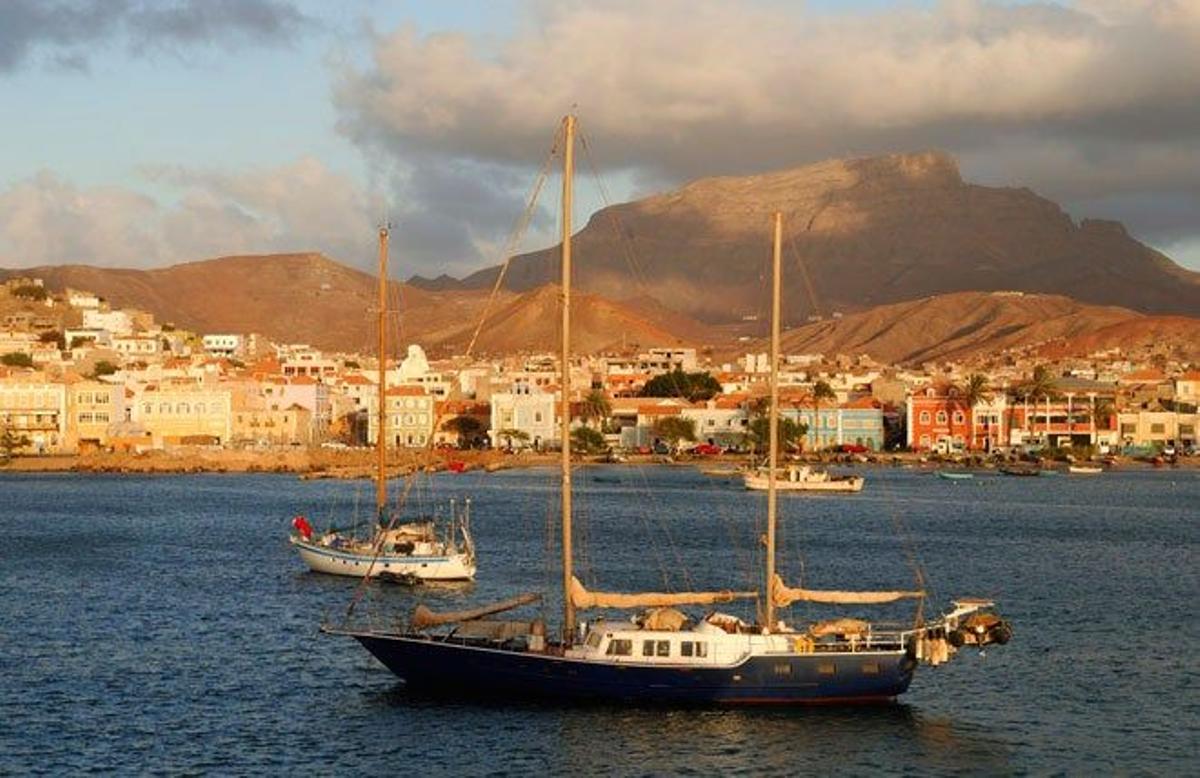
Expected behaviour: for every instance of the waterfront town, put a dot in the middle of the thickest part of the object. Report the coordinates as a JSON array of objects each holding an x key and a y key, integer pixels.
[{"x": 119, "y": 381}]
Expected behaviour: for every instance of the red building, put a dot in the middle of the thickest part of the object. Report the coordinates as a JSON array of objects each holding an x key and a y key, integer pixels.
[{"x": 937, "y": 419}]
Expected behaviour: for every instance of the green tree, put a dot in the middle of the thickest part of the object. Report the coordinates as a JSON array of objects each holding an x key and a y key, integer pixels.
[
  {"x": 690, "y": 386},
  {"x": 595, "y": 406},
  {"x": 16, "y": 359},
  {"x": 821, "y": 391},
  {"x": 674, "y": 429},
  {"x": 11, "y": 442},
  {"x": 468, "y": 429},
  {"x": 30, "y": 292},
  {"x": 586, "y": 440},
  {"x": 791, "y": 433},
  {"x": 103, "y": 368},
  {"x": 509, "y": 435},
  {"x": 55, "y": 337}
]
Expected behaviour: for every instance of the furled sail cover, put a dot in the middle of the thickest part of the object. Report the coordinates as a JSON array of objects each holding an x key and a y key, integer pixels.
[
  {"x": 582, "y": 598},
  {"x": 423, "y": 617},
  {"x": 782, "y": 595}
]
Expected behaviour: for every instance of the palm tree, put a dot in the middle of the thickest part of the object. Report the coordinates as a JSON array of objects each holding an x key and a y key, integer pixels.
[
  {"x": 821, "y": 391},
  {"x": 1102, "y": 410},
  {"x": 595, "y": 406},
  {"x": 1042, "y": 385},
  {"x": 974, "y": 391}
]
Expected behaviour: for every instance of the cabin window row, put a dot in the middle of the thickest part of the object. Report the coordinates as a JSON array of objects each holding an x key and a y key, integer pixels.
[{"x": 657, "y": 648}]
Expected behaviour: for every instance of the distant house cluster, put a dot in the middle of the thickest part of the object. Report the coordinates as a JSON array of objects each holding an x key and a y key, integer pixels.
[{"x": 78, "y": 374}]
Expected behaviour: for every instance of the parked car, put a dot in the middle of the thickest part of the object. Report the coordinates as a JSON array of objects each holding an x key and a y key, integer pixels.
[{"x": 706, "y": 450}]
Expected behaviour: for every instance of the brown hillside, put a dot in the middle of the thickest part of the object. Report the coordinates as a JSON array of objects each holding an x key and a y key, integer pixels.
[
  {"x": 308, "y": 298},
  {"x": 967, "y": 324},
  {"x": 532, "y": 322},
  {"x": 292, "y": 298},
  {"x": 870, "y": 232}
]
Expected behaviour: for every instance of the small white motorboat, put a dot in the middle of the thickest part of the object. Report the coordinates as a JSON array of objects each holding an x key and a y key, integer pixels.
[{"x": 802, "y": 478}]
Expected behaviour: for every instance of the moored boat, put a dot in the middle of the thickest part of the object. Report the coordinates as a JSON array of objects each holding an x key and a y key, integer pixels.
[
  {"x": 950, "y": 476},
  {"x": 1085, "y": 469},
  {"x": 413, "y": 550},
  {"x": 802, "y": 478}
]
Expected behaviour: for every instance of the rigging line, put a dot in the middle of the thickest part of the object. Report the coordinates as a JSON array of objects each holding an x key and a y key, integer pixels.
[
  {"x": 628, "y": 251},
  {"x": 908, "y": 546},
  {"x": 623, "y": 238},
  {"x": 658, "y": 508},
  {"x": 514, "y": 239},
  {"x": 808, "y": 284},
  {"x": 517, "y": 234}
]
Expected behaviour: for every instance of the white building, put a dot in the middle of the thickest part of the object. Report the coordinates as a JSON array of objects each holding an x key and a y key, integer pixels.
[
  {"x": 524, "y": 410},
  {"x": 137, "y": 345},
  {"x": 116, "y": 322},
  {"x": 222, "y": 345},
  {"x": 84, "y": 300}
]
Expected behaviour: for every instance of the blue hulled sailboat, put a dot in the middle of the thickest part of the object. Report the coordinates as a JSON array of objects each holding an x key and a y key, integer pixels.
[{"x": 662, "y": 655}]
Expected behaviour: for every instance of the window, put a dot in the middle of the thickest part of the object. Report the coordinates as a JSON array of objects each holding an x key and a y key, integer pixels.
[
  {"x": 620, "y": 647},
  {"x": 101, "y": 398},
  {"x": 870, "y": 668},
  {"x": 827, "y": 668},
  {"x": 200, "y": 408},
  {"x": 85, "y": 418},
  {"x": 647, "y": 648},
  {"x": 959, "y": 418},
  {"x": 537, "y": 417},
  {"x": 102, "y": 418},
  {"x": 182, "y": 408},
  {"x": 664, "y": 648},
  {"x": 164, "y": 407},
  {"x": 593, "y": 640},
  {"x": 701, "y": 648},
  {"x": 941, "y": 417},
  {"x": 924, "y": 417},
  {"x": 924, "y": 441},
  {"x": 147, "y": 408},
  {"x": 1157, "y": 429},
  {"x": 685, "y": 648},
  {"x": 782, "y": 669}
]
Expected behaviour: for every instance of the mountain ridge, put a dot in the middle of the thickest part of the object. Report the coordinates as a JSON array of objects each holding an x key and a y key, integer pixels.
[{"x": 864, "y": 232}]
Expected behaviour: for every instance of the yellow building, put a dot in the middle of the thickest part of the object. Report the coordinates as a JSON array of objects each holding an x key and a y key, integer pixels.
[
  {"x": 184, "y": 414},
  {"x": 410, "y": 417},
  {"x": 291, "y": 426},
  {"x": 33, "y": 407},
  {"x": 95, "y": 407}
]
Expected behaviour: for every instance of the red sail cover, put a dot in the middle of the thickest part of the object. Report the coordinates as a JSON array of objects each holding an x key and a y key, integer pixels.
[{"x": 302, "y": 526}]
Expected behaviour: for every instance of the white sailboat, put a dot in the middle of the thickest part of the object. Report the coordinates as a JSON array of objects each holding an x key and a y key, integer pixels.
[
  {"x": 406, "y": 552},
  {"x": 663, "y": 655}
]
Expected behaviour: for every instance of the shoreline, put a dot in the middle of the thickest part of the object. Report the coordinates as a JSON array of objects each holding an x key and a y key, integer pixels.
[{"x": 317, "y": 463}]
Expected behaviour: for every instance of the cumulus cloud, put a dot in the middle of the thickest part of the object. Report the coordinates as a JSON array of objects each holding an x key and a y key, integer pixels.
[
  {"x": 302, "y": 206},
  {"x": 63, "y": 30},
  {"x": 1088, "y": 102},
  {"x": 446, "y": 218}
]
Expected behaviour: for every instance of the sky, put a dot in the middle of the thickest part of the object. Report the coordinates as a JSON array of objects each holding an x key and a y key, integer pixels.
[{"x": 142, "y": 133}]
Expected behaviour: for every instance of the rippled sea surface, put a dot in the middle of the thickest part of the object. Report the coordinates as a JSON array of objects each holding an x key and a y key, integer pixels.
[{"x": 163, "y": 624}]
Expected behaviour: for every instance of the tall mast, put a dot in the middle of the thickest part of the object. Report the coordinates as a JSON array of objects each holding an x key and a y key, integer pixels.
[
  {"x": 381, "y": 438},
  {"x": 769, "y": 608},
  {"x": 565, "y": 400}
]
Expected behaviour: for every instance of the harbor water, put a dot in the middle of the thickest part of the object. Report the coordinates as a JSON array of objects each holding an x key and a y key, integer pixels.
[{"x": 163, "y": 624}]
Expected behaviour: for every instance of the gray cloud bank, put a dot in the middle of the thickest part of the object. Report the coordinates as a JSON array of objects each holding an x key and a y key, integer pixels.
[
  {"x": 1096, "y": 104},
  {"x": 64, "y": 30}
]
